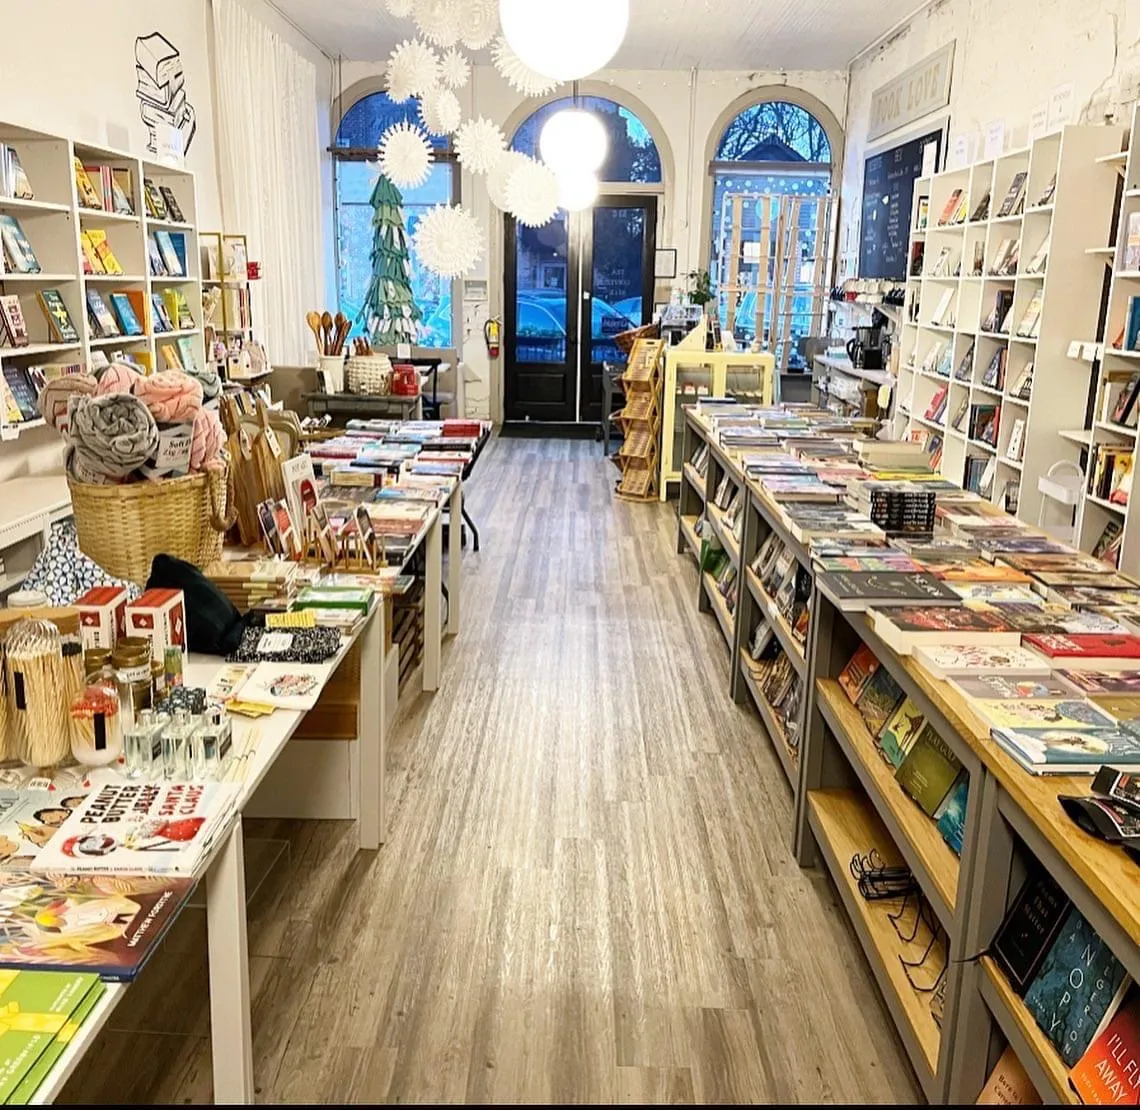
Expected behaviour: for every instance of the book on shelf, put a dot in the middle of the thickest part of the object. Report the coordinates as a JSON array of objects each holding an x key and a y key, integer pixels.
[
  {"x": 1057, "y": 750},
  {"x": 1047, "y": 193},
  {"x": 928, "y": 771},
  {"x": 155, "y": 202},
  {"x": 942, "y": 307},
  {"x": 923, "y": 213},
  {"x": 1012, "y": 687},
  {"x": 173, "y": 209},
  {"x": 1009, "y": 1084},
  {"x": 978, "y": 265},
  {"x": 13, "y": 180},
  {"x": 1107, "y": 546},
  {"x": 1015, "y": 196},
  {"x": 879, "y": 700},
  {"x": 179, "y": 311},
  {"x": 125, "y": 314},
  {"x": 1030, "y": 324},
  {"x": 171, "y": 258},
  {"x": 951, "y": 209},
  {"x": 18, "y": 256},
  {"x": 159, "y": 314},
  {"x": 857, "y": 673},
  {"x": 1029, "y": 927},
  {"x": 189, "y": 363},
  {"x": 23, "y": 390},
  {"x": 13, "y": 326},
  {"x": 984, "y": 420},
  {"x": 1040, "y": 257},
  {"x": 965, "y": 365},
  {"x": 1079, "y": 984},
  {"x": 101, "y": 245},
  {"x": 1023, "y": 385},
  {"x": 1005, "y": 257},
  {"x": 1132, "y": 325},
  {"x": 154, "y": 258},
  {"x": 960, "y": 416},
  {"x": 898, "y": 735},
  {"x": 1108, "y": 1073},
  {"x": 60, "y": 327},
  {"x": 92, "y": 263},
  {"x": 103, "y": 323},
  {"x": 856, "y": 591},
  {"x": 994, "y": 374},
  {"x": 942, "y": 264},
  {"x": 981, "y": 209},
  {"x": 122, "y": 191},
  {"x": 1070, "y": 712},
  {"x": 937, "y": 404},
  {"x": 951, "y": 815},
  {"x": 85, "y": 188},
  {"x": 1016, "y": 440},
  {"x": 1088, "y": 651},
  {"x": 1132, "y": 243},
  {"x": 1002, "y": 304},
  {"x": 1110, "y": 476},
  {"x": 904, "y": 629},
  {"x": 1125, "y": 411}
]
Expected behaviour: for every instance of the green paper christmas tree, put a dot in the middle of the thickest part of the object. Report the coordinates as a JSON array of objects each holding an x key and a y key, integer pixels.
[{"x": 389, "y": 313}]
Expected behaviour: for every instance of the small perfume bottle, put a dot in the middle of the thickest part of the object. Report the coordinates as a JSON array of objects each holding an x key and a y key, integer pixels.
[
  {"x": 211, "y": 744},
  {"x": 176, "y": 746},
  {"x": 137, "y": 745}
]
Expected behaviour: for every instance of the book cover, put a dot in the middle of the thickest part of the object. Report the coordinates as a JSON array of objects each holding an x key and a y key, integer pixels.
[
  {"x": 1015, "y": 195},
  {"x": 996, "y": 593},
  {"x": 862, "y": 589},
  {"x": 1108, "y": 1074},
  {"x": 858, "y": 672},
  {"x": 102, "y": 322},
  {"x": 125, "y": 313},
  {"x": 15, "y": 327},
  {"x": 155, "y": 201},
  {"x": 30, "y": 818},
  {"x": 1008, "y": 1084},
  {"x": 85, "y": 187},
  {"x": 1030, "y": 925},
  {"x": 1075, "y": 987},
  {"x": 923, "y": 619},
  {"x": 1122, "y": 707},
  {"x": 106, "y": 924},
  {"x": 964, "y": 659},
  {"x": 122, "y": 191},
  {"x": 170, "y": 257},
  {"x": 1103, "y": 682},
  {"x": 899, "y": 734},
  {"x": 928, "y": 771},
  {"x": 160, "y": 317},
  {"x": 1013, "y": 687},
  {"x": 1065, "y": 751},
  {"x": 173, "y": 211},
  {"x": 139, "y": 828},
  {"x": 17, "y": 250},
  {"x": 102, "y": 248},
  {"x": 287, "y": 685},
  {"x": 1065, "y": 712},
  {"x": 45, "y": 1000},
  {"x": 60, "y": 327},
  {"x": 154, "y": 258},
  {"x": 951, "y": 815},
  {"x": 17, "y": 178},
  {"x": 1085, "y": 646},
  {"x": 878, "y": 701}
]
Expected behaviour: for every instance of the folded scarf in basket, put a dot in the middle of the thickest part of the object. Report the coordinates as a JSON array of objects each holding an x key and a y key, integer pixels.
[
  {"x": 209, "y": 438},
  {"x": 54, "y": 397},
  {"x": 172, "y": 396},
  {"x": 113, "y": 436},
  {"x": 117, "y": 378}
]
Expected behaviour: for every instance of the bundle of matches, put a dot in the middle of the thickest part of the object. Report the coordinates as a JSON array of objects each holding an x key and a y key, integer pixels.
[{"x": 40, "y": 687}]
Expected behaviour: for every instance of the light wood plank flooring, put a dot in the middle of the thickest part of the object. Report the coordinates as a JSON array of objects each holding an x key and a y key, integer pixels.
[{"x": 588, "y": 893}]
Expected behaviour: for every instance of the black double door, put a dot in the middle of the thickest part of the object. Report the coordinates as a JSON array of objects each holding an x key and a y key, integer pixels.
[{"x": 571, "y": 286}]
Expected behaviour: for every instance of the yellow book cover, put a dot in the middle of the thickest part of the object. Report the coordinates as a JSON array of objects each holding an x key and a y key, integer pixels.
[
  {"x": 88, "y": 195},
  {"x": 102, "y": 247},
  {"x": 94, "y": 264},
  {"x": 179, "y": 310},
  {"x": 170, "y": 354}
]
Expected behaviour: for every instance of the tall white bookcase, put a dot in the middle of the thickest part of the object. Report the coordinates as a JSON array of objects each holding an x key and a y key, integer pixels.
[
  {"x": 1075, "y": 219},
  {"x": 52, "y": 223}
]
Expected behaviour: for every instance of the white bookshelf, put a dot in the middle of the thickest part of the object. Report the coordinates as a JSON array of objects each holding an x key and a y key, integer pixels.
[
  {"x": 1076, "y": 221},
  {"x": 52, "y": 222},
  {"x": 1113, "y": 367}
]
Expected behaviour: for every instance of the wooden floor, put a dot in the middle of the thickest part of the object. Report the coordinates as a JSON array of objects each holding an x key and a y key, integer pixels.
[{"x": 588, "y": 892}]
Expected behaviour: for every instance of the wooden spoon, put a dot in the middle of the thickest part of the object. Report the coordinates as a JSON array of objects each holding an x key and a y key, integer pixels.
[
  {"x": 327, "y": 329},
  {"x": 313, "y": 319},
  {"x": 342, "y": 326}
]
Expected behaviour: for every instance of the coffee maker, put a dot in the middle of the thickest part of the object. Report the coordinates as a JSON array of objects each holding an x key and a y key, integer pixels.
[{"x": 868, "y": 350}]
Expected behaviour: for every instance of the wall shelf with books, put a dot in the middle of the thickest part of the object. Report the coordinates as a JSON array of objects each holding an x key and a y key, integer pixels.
[{"x": 1005, "y": 281}]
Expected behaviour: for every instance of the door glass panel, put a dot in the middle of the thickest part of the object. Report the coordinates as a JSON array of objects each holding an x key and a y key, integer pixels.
[
  {"x": 617, "y": 280},
  {"x": 542, "y": 285}
]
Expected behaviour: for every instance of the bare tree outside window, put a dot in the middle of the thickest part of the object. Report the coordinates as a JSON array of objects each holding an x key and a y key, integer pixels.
[{"x": 766, "y": 131}]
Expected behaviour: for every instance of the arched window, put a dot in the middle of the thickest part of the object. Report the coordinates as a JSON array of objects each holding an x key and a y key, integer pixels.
[
  {"x": 772, "y": 150},
  {"x": 354, "y": 152},
  {"x": 632, "y": 155}
]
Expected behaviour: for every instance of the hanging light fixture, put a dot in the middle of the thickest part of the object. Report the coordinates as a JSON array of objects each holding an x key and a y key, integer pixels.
[
  {"x": 564, "y": 39},
  {"x": 573, "y": 138},
  {"x": 577, "y": 189}
]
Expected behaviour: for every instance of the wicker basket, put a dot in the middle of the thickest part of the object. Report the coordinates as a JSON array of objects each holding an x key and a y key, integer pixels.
[
  {"x": 625, "y": 340},
  {"x": 124, "y": 527},
  {"x": 369, "y": 374}
]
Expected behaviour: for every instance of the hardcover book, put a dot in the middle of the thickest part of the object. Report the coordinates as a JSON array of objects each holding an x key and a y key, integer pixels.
[
  {"x": 1013, "y": 687},
  {"x": 899, "y": 734},
  {"x": 173, "y": 211},
  {"x": 1066, "y": 751},
  {"x": 15, "y": 327},
  {"x": 1068, "y": 713},
  {"x": 85, "y": 187},
  {"x": 928, "y": 771},
  {"x": 1015, "y": 196},
  {"x": 103, "y": 323},
  {"x": 1008, "y": 1084},
  {"x": 1029, "y": 928},
  {"x": 1088, "y": 651},
  {"x": 125, "y": 313},
  {"x": 968, "y": 659},
  {"x": 60, "y": 327},
  {"x": 155, "y": 201},
  {"x": 855, "y": 676},
  {"x": 1108, "y": 1074},
  {"x": 860, "y": 590},
  {"x": 906, "y": 628},
  {"x": 170, "y": 257},
  {"x": 951, "y": 815},
  {"x": 18, "y": 253},
  {"x": 1079, "y": 982},
  {"x": 879, "y": 700}
]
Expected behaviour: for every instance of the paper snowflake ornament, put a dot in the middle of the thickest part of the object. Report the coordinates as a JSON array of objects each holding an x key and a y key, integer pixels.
[
  {"x": 480, "y": 144},
  {"x": 401, "y": 9},
  {"x": 448, "y": 241},
  {"x": 517, "y": 73},
  {"x": 532, "y": 193},
  {"x": 440, "y": 111},
  {"x": 438, "y": 21},
  {"x": 405, "y": 156},
  {"x": 500, "y": 174},
  {"x": 454, "y": 69},
  {"x": 413, "y": 69},
  {"x": 478, "y": 22}
]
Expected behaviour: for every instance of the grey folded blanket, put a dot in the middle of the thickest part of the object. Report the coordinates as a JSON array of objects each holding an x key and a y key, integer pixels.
[
  {"x": 113, "y": 436},
  {"x": 210, "y": 381}
]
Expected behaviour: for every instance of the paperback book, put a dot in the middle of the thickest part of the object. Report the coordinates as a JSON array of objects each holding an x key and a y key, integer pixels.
[
  {"x": 969, "y": 659},
  {"x": 899, "y": 734},
  {"x": 928, "y": 771},
  {"x": 1029, "y": 928},
  {"x": 879, "y": 700},
  {"x": 860, "y": 668},
  {"x": 904, "y": 629},
  {"x": 1068, "y": 751}
]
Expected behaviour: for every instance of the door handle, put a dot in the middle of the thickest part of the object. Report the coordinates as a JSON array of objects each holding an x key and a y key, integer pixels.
[{"x": 585, "y": 296}]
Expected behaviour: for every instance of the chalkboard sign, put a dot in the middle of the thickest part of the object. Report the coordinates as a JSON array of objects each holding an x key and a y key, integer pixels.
[{"x": 888, "y": 196}]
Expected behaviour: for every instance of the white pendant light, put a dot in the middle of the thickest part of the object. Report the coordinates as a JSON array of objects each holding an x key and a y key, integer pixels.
[
  {"x": 577, "y": 189},
  {"x": 573, "y": 139},
  {"x": 564, "y": 39}
]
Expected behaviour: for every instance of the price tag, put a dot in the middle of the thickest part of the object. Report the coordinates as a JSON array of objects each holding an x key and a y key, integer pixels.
[
  {"x": 1075, "y": 349},
  {"x": 271, "y": 439},
  {"x": 1092, "y": 351},
  {"x": 273, "y": 642}
]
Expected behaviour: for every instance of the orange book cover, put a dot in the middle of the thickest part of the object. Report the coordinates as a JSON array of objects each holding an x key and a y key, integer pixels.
[
  {"x": 1008, "y": 1084},
  {"x": 1108, "y": 1074}
]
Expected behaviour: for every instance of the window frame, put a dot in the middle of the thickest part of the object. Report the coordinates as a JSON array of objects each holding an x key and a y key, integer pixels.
[{"x": 440, "y": 155}]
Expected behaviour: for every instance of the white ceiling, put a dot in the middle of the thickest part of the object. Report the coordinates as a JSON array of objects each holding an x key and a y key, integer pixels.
[{"x": 663, "y": 34}]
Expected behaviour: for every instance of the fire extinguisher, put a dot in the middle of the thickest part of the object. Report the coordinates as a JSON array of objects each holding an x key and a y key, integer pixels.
[{"x": 492, "y": 336}]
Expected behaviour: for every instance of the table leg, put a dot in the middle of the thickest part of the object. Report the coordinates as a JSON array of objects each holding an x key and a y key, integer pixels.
[
  {"x": 371, "y": 737},
  {"x": 230, "y": 1027},
  {"x": 454, "y": 558},
  {"x": 433, "y": 589}
]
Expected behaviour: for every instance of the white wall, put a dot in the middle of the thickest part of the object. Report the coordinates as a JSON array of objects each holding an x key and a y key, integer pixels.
[
  {"x": 679, "y": 107},
  {"x": 1007, "y": 59}
]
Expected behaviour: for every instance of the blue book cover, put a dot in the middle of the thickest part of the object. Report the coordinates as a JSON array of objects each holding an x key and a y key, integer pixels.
[
  {"x": 952, "y": 816},
  {"x": 1077, "y": 985},
  {"x": 1133, "y": 328},
  {"x": 128, "y": 321}
]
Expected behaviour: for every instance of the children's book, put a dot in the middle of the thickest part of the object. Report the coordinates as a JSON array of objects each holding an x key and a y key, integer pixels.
[
  {"x": 60, "y": 327},
  {"x": 898, "y": 735}
]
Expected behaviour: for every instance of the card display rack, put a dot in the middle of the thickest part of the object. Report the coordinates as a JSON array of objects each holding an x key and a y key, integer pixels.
[{"x": 640, "y": 420}]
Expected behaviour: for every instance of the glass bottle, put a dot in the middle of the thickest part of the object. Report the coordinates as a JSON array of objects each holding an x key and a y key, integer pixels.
[
  {"x": 96, "y": 725},
  {"x": 137, "y": 745},
  {"x": 211, "y": 745},
  {"x": 176, "y": 746},
  {"x": 131, "y": 658}
]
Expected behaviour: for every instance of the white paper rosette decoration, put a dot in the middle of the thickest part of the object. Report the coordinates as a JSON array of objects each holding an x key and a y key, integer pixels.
[
  {"x": 448, "y": 241},
  {"x": 438, "y": 21},
  {"x": 478, "y": 22},
  {"x": 405, "y": 156},
  {"x": 454, "y": 69},
  {"x": 518, "y": 74},
  {"x": 532, "y": 193},
  {"x": 480, "y": 144},
  {"x": 500, "y": 174},
  {"x": 413, "y": 69},
  {"x": 440, "y": 111},
  {"x": 401, "y": 9}
]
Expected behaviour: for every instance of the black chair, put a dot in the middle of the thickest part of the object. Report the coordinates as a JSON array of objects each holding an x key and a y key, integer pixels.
[
  {"x": 611, "y": 390},
  {"x": 434, "y": 401}
]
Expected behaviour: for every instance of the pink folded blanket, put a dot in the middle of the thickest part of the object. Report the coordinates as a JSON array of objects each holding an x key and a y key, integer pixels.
[
  {"x": 171, "y": 396},
  {"x": 54, "y": 397},
  {"x": 209, "y": 438},
  {"x": 117, "y": 378}
]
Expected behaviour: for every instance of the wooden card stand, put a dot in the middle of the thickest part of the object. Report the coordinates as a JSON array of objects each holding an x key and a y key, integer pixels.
[{"x": 639, "y": 457}]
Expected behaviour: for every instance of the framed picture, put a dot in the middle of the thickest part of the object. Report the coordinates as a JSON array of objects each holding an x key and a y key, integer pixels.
[
  {"x": 665, "y": 262},
  {"x": 552, "y": 275}
]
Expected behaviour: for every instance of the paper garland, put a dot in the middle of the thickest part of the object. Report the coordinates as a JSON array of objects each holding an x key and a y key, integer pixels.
[
  {"x": 454, "y": 69},
  {"x": 480, "y": 144},
  {"x": 517, "y": 73},
  {"x": 437, "y": 20},
  {"x": 405, "y": 156},
  {"x": 448, "y": 241},
  {"x": 478, "y": 23},
  {"x": 413, "y": 69},
  {"x": 401, "y": 9},
  {"x": 500, "y": 174},
  {"x": 531, "y": 193},
  {"x": 440, "y": 111}
]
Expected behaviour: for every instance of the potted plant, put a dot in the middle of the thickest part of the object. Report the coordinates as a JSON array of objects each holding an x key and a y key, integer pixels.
[{"x": 700, "y": 287}]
